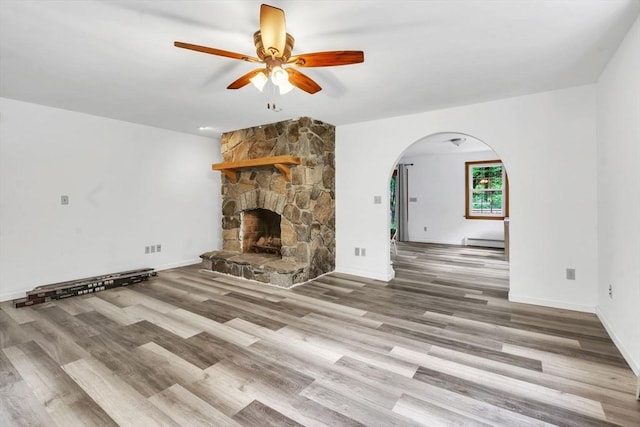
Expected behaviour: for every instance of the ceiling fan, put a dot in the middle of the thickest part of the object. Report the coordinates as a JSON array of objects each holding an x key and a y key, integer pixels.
[{"x": 273, "y": 48}]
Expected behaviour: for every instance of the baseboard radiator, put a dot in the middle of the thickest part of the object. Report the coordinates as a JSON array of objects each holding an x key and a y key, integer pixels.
[{"x": 486, "y": 243}]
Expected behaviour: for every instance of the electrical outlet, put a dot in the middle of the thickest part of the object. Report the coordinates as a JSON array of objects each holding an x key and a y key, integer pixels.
[
  {"x": 153, "y": 249},
  {"x": 610, "y": 291},
  {"x": 413, "y": 199},
  {"x": 363, "y": 252},
  {"x": 64, "y": 200},
  {"x": 158, "y": 247},
  {"x": 571, "y": 274},
  {"x": 425, "y": 228},
  {"x": 356, "y": 252},
  {"x": 377, "y": 200},
  {"x": 147, "y": 249}
]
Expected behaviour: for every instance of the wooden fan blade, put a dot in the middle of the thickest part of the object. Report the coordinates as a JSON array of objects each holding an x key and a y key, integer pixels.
[
  {"x": 302, "y": 81},
  {"x": 218, "y": 52},
  {"x": 273, "y": 30},
  {"x": 245, "y": 80},
  {"x": 328, "y": 59}
]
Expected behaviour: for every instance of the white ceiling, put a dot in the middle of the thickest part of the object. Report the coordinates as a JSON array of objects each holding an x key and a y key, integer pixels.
[
  {"x": 441, "y": 143},
  {"x": 116, "y": 58}
]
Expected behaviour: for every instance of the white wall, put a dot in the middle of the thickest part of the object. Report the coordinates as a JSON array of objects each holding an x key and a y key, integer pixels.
[
  {"x": 547, "y": 143},
  {"x": 619, "y": 196},
  {"x": 437, "y": 182},
  {"x": 129, "y": 186}
]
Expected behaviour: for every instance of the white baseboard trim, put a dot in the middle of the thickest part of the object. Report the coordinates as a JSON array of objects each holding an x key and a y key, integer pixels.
[
  {"x": 14, "y": 295},
  {"x": 634, "y": 364},
  {"x": 384, "y": 276},
  {"x": 486, "y": 243},
  {"x": 178, "y": 264},
  {"x": 550, "y": 303}
]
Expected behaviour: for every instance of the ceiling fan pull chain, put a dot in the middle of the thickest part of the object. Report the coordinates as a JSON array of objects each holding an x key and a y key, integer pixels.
[{"x": 271, "y": 91}]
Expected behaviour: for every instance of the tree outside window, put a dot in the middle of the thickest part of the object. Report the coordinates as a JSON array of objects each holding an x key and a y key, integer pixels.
[{"x": 486, "y": 190}]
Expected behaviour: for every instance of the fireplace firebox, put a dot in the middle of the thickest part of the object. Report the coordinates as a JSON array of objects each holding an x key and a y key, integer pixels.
[{"x": 260, "y": 231}]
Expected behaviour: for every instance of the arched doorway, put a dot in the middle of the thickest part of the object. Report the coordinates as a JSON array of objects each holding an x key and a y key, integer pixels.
[{"x": 450, "y": 189}]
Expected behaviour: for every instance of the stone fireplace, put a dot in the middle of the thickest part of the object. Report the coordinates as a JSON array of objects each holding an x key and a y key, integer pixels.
[{"x": 278, "y": 207}]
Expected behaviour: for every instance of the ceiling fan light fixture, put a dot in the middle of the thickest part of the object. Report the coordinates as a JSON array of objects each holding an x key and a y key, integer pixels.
[
  {"x": 285, "y": 87},
  {"x": 259, "y": 80},
  {"x": 279, "y": 76}
]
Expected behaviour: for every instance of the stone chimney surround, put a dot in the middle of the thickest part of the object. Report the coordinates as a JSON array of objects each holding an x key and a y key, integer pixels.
[{"x": 287, "y": 168}]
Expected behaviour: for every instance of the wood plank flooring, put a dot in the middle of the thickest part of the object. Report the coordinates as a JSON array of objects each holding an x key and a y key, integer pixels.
[{"x": 438, "y": 345}]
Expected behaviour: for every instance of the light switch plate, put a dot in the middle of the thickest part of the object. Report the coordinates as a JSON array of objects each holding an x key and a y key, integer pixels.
[{"x": 571, "y": 274}]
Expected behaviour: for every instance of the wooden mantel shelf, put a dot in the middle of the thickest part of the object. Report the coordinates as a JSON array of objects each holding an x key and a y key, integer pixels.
[{"x": 282, "y": 163}]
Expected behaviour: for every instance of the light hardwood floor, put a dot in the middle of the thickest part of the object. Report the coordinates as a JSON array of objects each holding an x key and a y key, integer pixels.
[{"x": 438, "y": 345}]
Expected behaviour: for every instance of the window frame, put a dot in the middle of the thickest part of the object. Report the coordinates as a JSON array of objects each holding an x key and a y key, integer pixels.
[{"x": 468, "y": 189}]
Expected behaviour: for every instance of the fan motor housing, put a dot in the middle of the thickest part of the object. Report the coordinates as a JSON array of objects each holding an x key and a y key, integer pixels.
[{"x": 263, "y": 55}]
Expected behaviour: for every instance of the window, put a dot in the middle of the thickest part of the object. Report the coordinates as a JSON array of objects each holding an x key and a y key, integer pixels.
[{"x": 487, "y": 190}]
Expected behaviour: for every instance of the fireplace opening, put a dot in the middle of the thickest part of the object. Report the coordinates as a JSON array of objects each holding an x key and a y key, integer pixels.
[{"x": 260, "y": 231}]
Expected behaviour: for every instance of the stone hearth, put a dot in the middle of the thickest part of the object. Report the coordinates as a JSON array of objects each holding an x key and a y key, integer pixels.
[{"x": 305, "y": 204}]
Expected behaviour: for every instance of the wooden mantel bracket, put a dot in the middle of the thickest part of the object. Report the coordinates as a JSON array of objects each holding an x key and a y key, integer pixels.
[{"x": 282, "y": 163}]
